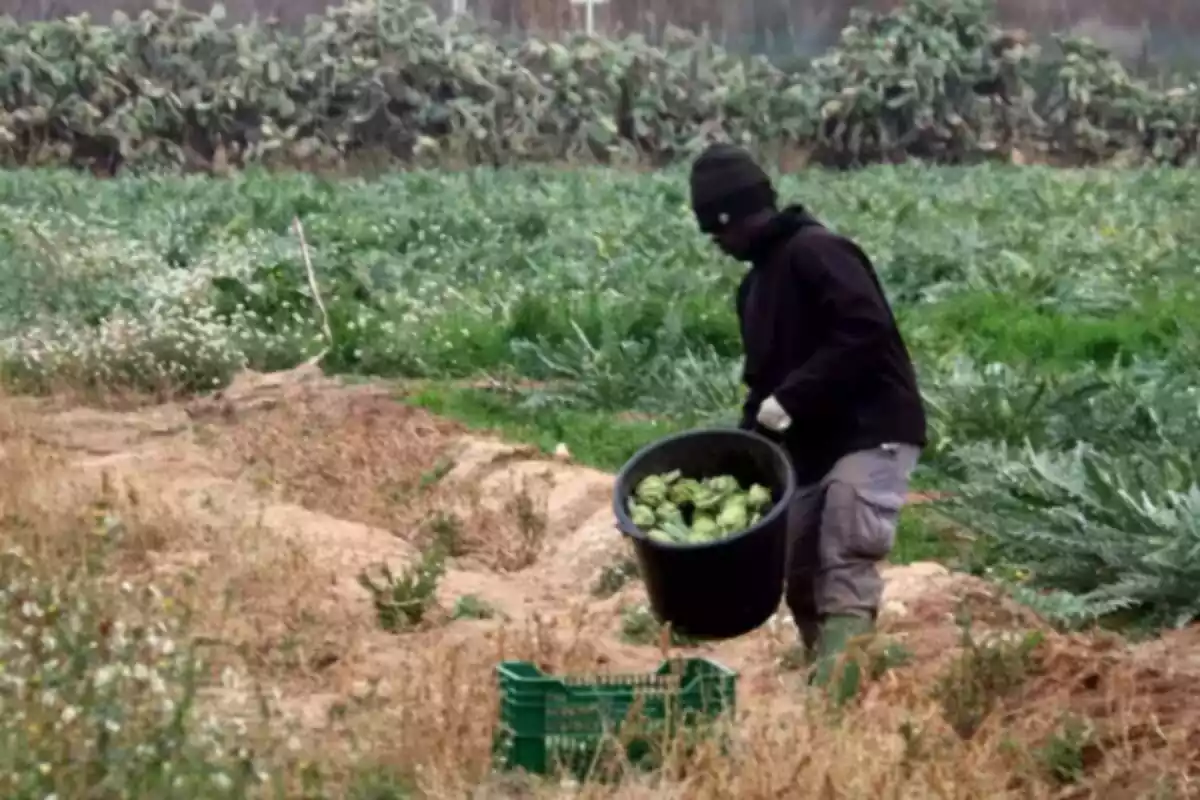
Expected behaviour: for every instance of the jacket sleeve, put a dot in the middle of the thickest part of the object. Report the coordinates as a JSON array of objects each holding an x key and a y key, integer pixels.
[
  {"x": 857, "y": 320},
  {"x": 753, "y": 399}
]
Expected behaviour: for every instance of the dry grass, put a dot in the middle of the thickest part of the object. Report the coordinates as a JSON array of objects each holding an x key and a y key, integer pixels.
[
  {"x": 332, "y": 701},
  {"x": 369, "y": 459}
]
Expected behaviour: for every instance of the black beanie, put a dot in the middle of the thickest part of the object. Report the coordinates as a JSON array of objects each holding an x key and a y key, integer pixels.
[{"x": 727, "y": 185}]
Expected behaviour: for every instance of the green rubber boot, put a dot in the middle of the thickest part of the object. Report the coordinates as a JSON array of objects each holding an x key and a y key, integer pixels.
[{"x": 836, "y": 632}]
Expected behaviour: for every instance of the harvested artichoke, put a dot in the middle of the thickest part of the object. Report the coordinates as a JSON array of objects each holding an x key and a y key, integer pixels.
[
  {"x": 683, "y": 492},
  {"x": 668, "y": 512},
  {"x": 705, "y": 526},
  {"x": 706, "y": 499},
  {"x": 679, "y": 510},
  {"x": 758, "y": 498},
  {"x": 733, "y": 517},
  {"x": 652, "y": 491},
  {"x": 724, "y": 485},
  {"x": 643, "y": 516}
]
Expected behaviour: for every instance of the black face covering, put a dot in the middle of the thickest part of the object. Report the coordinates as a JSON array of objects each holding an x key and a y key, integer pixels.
[{"x": 728, "y": 186}]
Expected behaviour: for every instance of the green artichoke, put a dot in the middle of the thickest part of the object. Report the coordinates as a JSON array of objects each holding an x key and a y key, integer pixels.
[
  {"x": 705, "y": 526},
  {"x": 668, "y": 512},
  {"x": 759, "y": 497},
  {"x": 683, "y": 492},
  {"x": 706, "y": 499},
  {"x": 723, "y": 485},
  {"x": 643, "y": 516},
  {"x": 652, "y": 491},
  {"x": 717, "y": 506},
  {"x": 733, "y": 517}
]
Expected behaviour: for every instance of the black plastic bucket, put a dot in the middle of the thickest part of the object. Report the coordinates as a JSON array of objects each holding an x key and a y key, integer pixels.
[{"x": 721, "y": 589}]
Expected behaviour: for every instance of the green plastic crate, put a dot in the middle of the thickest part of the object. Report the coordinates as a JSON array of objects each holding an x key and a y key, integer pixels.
[{"x": 549, "y": 723}]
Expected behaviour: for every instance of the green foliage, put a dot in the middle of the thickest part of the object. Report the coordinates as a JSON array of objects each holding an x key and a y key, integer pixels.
[
  {"x": 469, "y": 606},
  {"x": 982, "y": 675},
  {"x": 614, "y": 577},
  {"x": 1105, "y": 532},
  {"x": 99, "y": 691},
  {"x": 920, "y": 536},
  {"x": 640, "y": 626},
  {"x": 1067, "y": 752},
  {"x": 595, "y": 438},
  {"x": 402, "y": 602},
  {"x": 442, "y": 276},
  {"x": 84, "y": 306},
  {"x": 933, "y": 79},
  {"x": 445, "y": 533}
]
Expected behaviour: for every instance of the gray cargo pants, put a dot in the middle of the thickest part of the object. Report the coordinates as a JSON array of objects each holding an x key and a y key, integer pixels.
[{"x": 839, "y": 528}]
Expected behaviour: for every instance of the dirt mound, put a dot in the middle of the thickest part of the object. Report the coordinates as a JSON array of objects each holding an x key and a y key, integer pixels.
[{"x": 272, "y": 499}]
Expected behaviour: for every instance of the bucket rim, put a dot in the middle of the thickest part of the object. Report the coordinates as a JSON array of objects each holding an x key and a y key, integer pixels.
[{"x": 625, "y": 524}]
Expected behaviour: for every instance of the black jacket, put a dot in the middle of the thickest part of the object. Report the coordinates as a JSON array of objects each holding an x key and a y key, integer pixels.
[{"x": 819, "y": 335}]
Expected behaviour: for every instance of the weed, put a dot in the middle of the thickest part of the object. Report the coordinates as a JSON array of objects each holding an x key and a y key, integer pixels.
[
  {"x": 531, "y": 524},
  {"x": 981, "y": 675},
  {"x": 614, "y": 577},
  {"x": 446, "y": 530},
  {"x": 100, "y": 689},
  {"x": 916, "y": 745},
  {"x": 402, "y": 603},
  {"x": 434, "y": 475},
  {"x": 470, "y": 606},
  {"x": 890, "y": 656},
  {"x": 640, "y": 626},
  {"x": 404, "y": 492},
  {"x": 875, "y": 657},
  {"x": 382, "y": 783},
  {"x": 1068, "y": 752}
]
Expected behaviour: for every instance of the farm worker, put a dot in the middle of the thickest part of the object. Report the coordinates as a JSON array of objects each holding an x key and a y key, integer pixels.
[{"x": 830, "y": 379}]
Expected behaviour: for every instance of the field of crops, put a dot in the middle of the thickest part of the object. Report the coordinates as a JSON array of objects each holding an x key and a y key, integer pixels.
[{"x": 1052, "y": 315}]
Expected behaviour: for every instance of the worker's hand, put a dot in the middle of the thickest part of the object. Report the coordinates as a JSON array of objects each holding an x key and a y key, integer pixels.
[{"x": 772, "y": 416}]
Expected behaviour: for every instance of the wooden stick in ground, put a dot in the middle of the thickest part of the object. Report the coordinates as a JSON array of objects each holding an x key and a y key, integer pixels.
[{"x": 316, "y": 293}]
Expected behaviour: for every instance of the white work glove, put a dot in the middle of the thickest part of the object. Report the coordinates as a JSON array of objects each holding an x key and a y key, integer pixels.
[{"x": 772, "y": 416}]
